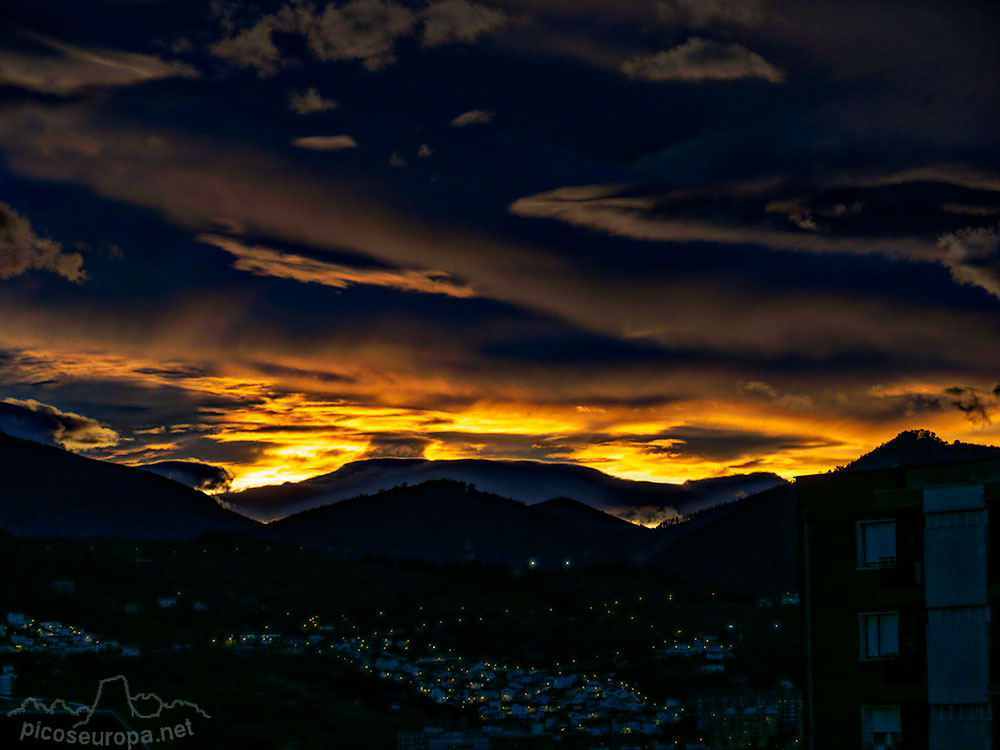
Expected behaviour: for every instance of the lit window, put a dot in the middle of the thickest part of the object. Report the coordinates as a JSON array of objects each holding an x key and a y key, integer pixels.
[
  {"x": 879, "y": 634},
  {"x": 876, "y": 544},
  {"x": 881, "y": 727}
]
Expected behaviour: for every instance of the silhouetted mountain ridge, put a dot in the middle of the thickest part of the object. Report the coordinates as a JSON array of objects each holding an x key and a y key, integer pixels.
[
  {"x": 447, "y": 521},
  {"x": 529, "y": 481},
  {"x": 582, "y": 516},
  {"x": 745, "y": 548},
  {"x": 50, "y": 492},
  {"x": 747, "y": 544},
  {"x": 914, "y": 447}
]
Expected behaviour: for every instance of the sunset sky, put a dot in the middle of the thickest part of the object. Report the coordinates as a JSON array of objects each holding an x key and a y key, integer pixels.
[{"x": 666, "y": 239}]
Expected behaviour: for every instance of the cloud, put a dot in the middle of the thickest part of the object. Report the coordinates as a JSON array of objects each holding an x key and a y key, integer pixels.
[
  {"x": 650, "y": 516},
  {"x": 805, "y": 220},
  {"x": 325, "y": 142},
  {"x": 627, "y": 211},
  {"x": 973, "y": 257},
  {"x": 180, "y": 372},
  {"x": 700, "y": 322},
  {"x": 263, "y": 261},
  {"x": 962, "y": 208},
  {"x": 309, "y": 101},
  {"x": 424, "y": 151},
  {"x": 473, "y": 117},
  {"x": 42, "y": 423},
  {"x": 395, "y": 160},
  {"x": 181, "y": 45},
  {"x": 964, "y": 175},
  {"x": 276, "y": 431},
  {"x": 51, "y": 141},
  {"x": 365, "y": 30},
  {"x": 976, "y": 404},
  {"x": 397, "y": 446},
  {"x": 22, "y": 250},
  {"x": 756, "y": 386},
  {"x": 703, "y": 13},
  {"x": 251, "y": 48},
  {"x": 299, "y": 374},
  {"x": 204, "y": 477},
  {"x": 458, "y": 21},
  {"x": 702, "y": 60},
  {"x": 65, "y": 70},
  {"x": 720, "y": 444},
  {"x": 788, "y": 401}
]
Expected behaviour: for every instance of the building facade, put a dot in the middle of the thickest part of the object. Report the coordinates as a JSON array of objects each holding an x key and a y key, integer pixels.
[{"x": 898, "y": 584}]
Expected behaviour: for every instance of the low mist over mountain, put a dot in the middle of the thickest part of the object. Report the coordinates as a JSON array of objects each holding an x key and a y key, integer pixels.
[
  {"x": 50, "y": 492},
  {"x": 204, "y": 477},
  {"x": 583, "y": 517},
  {"x": 528, "y": 481}
]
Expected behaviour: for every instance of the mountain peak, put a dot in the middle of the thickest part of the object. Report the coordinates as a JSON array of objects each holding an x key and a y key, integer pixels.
[
  {"x": 912, "y": 447},
  {"x": 51, "y": 492}
]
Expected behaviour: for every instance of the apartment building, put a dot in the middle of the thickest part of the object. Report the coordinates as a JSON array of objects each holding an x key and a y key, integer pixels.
[{"x": 898, "y": 584}]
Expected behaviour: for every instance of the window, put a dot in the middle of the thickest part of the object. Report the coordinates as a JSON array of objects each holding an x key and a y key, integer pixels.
[
  {"x": 876, "y": 544},
  {"x": 879, "y": 634},
  {"x": 881, "y": 727}
]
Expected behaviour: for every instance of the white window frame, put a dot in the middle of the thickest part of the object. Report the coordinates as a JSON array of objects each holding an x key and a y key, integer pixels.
[
  {"x": 863, "y": 648},
  {"x": 863, "y": 562},
  {"x": 894, "y": 736}
]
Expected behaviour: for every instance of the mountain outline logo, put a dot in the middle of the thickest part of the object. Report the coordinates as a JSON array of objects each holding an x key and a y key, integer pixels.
[{"x": 59, "y": 705}]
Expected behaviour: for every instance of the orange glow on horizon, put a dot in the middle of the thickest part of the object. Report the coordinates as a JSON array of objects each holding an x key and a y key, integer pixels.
[{"x": 273, "y": 430}]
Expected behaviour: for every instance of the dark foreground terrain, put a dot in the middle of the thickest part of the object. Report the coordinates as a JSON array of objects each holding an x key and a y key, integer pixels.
[{"x": 286, "y": 648}]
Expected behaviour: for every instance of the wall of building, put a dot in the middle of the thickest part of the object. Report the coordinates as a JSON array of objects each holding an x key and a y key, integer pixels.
[{"x": 942, "y": 584}]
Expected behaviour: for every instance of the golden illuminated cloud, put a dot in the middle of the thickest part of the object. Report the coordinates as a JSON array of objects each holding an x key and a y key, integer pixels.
[
  {"x": 263, "y": 432},
  {"x": 264, "y": 261},
  {"x": 45, "y": 423}
]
